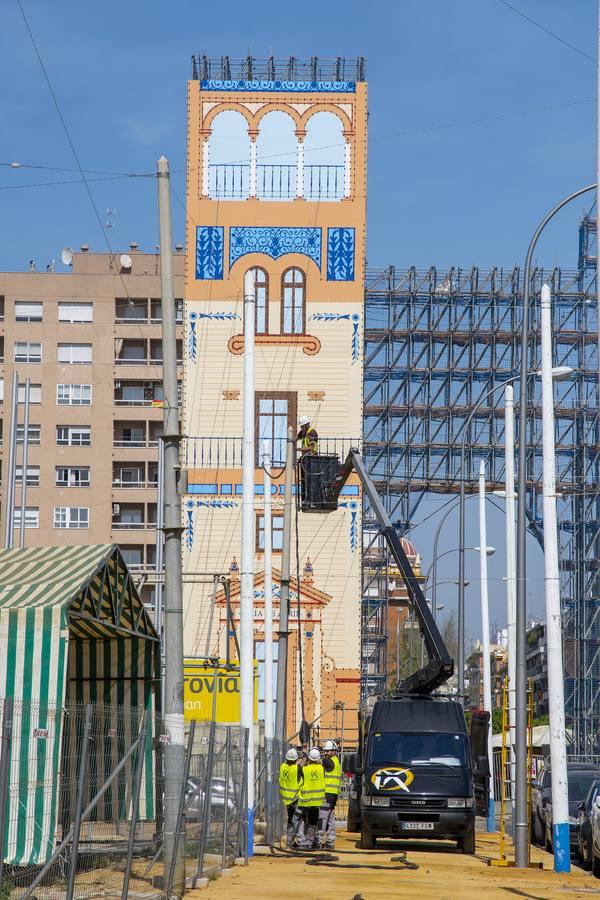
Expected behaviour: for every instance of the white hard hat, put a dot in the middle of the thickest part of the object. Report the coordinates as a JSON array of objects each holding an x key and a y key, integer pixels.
[
  {"x": 330, "y": 745},
  {"x": 304, "y": 420},
  {"x": 314, "y": 754},
  {"x": 291, "y": 755}
]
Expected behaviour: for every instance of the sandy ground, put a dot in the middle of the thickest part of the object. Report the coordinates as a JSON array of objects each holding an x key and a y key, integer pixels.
[{"x": 443, "y": 874}]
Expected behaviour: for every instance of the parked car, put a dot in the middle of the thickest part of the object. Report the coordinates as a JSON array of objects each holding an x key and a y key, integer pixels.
[
  {"x": 580, "y": 777},
  {"x": 584, "y": 825},
  {"x": 540, "y": 794},
  {"x": 194, "y": 803}
]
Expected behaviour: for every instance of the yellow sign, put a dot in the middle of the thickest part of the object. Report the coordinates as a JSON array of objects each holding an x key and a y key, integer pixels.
[
  {"x": 205, "y": 689},
  {"x": 392, "y": 779}
]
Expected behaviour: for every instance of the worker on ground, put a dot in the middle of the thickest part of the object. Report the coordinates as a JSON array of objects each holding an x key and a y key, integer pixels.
[
  {"x": 290, "y": 782},
  {"x": 307, "y": 436},
  {"x": 333, "y": 778},
  {"x": 312, "y": 796}
]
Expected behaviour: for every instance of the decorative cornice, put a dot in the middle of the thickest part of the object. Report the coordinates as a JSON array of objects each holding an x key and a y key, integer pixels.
[
  {"x": 290, "y": 87},
  {"x": 310, "y": 344}
]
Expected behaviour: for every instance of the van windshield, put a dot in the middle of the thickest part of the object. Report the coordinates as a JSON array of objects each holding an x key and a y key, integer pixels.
[{"x": 417, "y": 749}]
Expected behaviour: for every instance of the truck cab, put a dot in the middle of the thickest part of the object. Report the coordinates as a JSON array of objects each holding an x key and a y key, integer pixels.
[{"x": 413, "y": 773}]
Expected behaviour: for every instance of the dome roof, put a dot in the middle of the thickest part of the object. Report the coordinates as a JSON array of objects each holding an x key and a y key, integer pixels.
[{"x": 408, "y": 547}]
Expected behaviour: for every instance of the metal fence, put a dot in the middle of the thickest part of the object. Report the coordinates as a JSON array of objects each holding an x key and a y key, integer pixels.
[{"x": 81, "y": 801}]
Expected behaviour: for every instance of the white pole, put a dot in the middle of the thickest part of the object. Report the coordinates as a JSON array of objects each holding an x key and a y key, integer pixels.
[
  {"x": 556, "y": 703},
  {"x": 485, "y": 627},
  {"x": 247, "y": 554},
  {"x": 268, "y": 567},
  {"x": 511, "y": 570}
]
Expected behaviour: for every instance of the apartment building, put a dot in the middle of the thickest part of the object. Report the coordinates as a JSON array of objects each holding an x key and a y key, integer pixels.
[{"x": 89, "y": 340}]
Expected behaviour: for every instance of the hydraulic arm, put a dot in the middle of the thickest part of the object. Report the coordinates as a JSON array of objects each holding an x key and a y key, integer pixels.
[{"x": 440, "y": 665}]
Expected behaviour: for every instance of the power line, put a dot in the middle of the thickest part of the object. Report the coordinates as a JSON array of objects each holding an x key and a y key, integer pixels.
[
  {"x": 70, "y": 142},
  {"x": 21, "y": 165},
  {"x": 547, "y": 31},
  {"x": 37, "y": 184}
]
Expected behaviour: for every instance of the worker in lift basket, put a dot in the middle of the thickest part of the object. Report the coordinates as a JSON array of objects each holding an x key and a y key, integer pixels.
[
  {"x": 333, "y": 778},
  {"x": 312, "y": 796},
  {"x": 307, "y": 436},
  {"x": 290, "y": 782}
]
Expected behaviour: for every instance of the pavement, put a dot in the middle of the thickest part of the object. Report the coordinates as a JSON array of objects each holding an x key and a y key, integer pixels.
[{"x": 443, "y": 874}]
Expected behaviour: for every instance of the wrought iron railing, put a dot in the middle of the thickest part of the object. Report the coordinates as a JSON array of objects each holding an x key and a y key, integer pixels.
[
  {"x": 226, "y": 452},
  {"x": 275, "y": 181},
  {"x": 250, "y": 68}
]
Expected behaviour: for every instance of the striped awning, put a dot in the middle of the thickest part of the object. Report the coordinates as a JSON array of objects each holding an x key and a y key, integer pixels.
[{"x": 72, "y": 630}]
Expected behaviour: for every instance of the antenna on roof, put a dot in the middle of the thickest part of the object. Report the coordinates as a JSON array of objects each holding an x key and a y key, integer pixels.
[{"x": 66, "y": 257}]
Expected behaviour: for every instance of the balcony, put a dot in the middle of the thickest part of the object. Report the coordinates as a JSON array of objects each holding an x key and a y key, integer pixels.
[
  {"x": 134, "y": 516},
  {"x": 231, "y": 181},
  {"x": 226, "y": 452},
  {"x": 141, "y": 352},
  {"x": 135, "y": 475},
  {"x": 139, "y": 393},
  {"x": 143, "y": 311}
]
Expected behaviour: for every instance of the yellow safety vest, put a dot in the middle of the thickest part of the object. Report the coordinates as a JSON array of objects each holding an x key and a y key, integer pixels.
[
  {"x": 310, "y": 442},
  {"x": 312, "y": 792},
  {"x": 289, "y": 782},
  {"x": 333, "y": 779}
]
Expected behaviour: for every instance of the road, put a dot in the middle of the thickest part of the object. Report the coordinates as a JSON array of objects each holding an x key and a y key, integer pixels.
[{"x": 443, "y": 874}]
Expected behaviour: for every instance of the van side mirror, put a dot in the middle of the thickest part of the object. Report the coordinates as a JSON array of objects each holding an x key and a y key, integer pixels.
[
  {"x": 482, "y": 766},
  {"x": 350, "y": 763}
]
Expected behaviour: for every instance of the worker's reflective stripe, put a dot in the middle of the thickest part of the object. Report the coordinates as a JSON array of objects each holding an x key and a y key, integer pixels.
[
  {"x": 289, "y": 782},
  {"x": 309, "y": 441},
  {"x": 333, "y": 779},
  {"x": 312, "y": 791}
]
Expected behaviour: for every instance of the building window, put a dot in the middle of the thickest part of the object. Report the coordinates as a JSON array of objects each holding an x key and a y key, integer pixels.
[
  {"x": 133, "y": 556},
  {"x": 74, "y": 394},
  {"x": 257, "y": 281},
  {"x": 71, "y": 517},
  {"x": 28, "y": 311},
  {"x": 75, "y": 312},
  {"x": 75, "y": 354},
  {"x": 72, "y": 476},
  {"x": 34, "y": 434},
  {"x": 28, "y": 352},
  {"x": 293, "y": 296},
  {"x": 32, "y": 517},
  {"x": 275, "y": 413},
  {"x": 73, "y": 435},
  {"x": 276, "y": 532},
  {"x": 35, "y": 393},
  {"x": 33, "y": 475}
]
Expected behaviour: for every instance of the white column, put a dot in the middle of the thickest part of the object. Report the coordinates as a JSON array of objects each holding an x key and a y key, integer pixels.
[
  {"x": 252, "y": 181},
  {"x": 347, "y": 169},
  {"x": 268, "y": 568},
  {"x": 485, "y": 627},
  {"x": 511, "y": 573},
  {"x": 247, "y": 550},
  {"x": 556, "y": 702},
  {"x": 205, "y": 190},
  {"x": 300, "y": 168}
]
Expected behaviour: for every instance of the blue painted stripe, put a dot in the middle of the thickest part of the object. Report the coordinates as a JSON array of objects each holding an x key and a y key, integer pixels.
[
  {"x": 203, "y": 488},
  {"x": 561, "y": 846}
]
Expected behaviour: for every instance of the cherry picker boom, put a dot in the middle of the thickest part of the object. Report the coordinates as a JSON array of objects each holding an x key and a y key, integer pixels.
[{"x": 322, "y": 479}]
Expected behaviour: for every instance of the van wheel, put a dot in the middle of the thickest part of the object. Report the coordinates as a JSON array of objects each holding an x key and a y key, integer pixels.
[
  {"x": 466, "y": 843},
  {"x": 367, "y": 840}
]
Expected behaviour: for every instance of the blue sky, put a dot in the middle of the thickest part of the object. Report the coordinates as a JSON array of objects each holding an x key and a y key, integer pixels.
[{"x": 440, "y": 192}]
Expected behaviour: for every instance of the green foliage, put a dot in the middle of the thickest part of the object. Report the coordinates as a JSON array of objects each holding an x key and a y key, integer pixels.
[{"x": 497, "y": 720}]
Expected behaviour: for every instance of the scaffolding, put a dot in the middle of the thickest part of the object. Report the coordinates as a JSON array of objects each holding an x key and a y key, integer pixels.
[{"x": 435, "y": 342}]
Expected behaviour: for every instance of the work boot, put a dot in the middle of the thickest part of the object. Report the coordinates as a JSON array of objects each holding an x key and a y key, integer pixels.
[{"x": 311, "y": 838}]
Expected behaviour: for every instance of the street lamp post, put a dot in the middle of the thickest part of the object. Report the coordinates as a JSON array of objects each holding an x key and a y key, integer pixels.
[{"x": 521, "y": 825}]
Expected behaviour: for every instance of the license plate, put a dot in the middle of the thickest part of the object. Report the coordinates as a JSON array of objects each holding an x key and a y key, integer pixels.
[{"x": 418, "y": 826}]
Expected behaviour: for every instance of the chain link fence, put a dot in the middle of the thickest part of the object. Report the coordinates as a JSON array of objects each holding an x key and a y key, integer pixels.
[{"x": 82, "y": 801}]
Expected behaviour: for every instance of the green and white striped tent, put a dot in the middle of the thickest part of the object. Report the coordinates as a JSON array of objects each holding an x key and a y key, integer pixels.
[{"x": 73, "y": 631}]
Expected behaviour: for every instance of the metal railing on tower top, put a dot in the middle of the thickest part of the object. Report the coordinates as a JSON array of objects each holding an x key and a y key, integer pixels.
[{"x": 291, "y": 68}]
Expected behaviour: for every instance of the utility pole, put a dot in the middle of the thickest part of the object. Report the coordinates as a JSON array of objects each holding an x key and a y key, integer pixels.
[
  {"x": 12, "y": 458},
  {"x": 173, "y": 618},
  {"x": 247, "y": 554},
  {"x": 284, "y": 599},
  {"x": 24, "y": 461},
  {"x": 268, "y": 567},
  {"x": 485, "y": 627},
  {"x": 556, "y": 701},
  {"x": 511, "y": 572}
]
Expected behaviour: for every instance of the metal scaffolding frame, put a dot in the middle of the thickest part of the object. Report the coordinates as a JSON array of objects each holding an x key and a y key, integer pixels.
[{"x": 434, "y": 343}]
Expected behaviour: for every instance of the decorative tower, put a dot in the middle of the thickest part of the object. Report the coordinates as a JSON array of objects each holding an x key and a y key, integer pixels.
[{"x": 276, "y": 194}]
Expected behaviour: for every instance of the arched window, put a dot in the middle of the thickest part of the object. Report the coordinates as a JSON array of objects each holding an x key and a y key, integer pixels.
[
  {"x": 293, "y": 291},
  {"x": 256, "y": 281}
]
